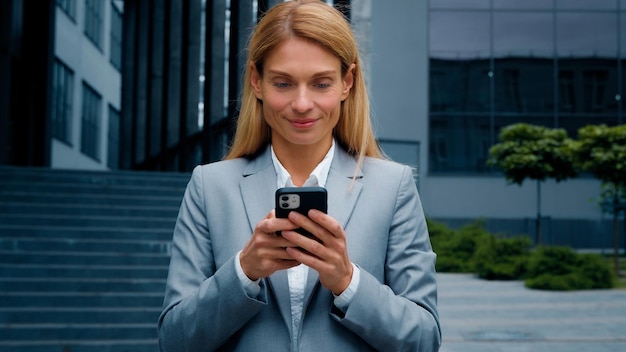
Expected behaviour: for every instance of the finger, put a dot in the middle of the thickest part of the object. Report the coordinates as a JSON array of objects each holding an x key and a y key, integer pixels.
[
  {"x": 327, "y": 222},
  {"x": 272, "y": 226},
  {"x": 317, "y": 229},
  {"x": 310, "y": 246}
]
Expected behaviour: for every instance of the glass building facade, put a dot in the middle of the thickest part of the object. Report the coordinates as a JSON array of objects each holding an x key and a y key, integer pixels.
[{"x": 556, "y": 63}]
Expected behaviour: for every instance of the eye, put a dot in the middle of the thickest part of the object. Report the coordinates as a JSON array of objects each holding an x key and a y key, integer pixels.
[
  {"x": 322, "y": 83},
  {"x": 281, "y": 85}
]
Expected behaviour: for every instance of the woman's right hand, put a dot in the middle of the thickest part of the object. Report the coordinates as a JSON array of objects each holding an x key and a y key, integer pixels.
[{"x": 266, "y": 252}]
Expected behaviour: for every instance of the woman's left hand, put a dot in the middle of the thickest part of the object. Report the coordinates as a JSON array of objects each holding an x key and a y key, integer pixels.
[{"x": 329, "y": 256}]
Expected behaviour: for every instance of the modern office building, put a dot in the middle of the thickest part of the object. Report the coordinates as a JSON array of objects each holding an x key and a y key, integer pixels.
[
  {"x": 61, "y": 73},
  {"x": 556, "y": 63},
  {"x": 153, "y": 84},
  {"x": 86, "y": 84}
]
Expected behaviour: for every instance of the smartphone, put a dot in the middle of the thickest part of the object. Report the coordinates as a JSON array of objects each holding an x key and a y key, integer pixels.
[{"x": 301, "y": 199}]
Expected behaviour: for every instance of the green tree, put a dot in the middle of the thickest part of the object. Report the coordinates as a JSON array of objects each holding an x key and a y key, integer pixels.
[
  {"x": 601, "y": 150},
  {"x": 533, "y": 152}
]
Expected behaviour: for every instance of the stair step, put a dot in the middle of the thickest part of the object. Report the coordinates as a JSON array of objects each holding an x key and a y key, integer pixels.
[
  {"x": 99, "y": 271},
  {"x": 25, "y": 244},
  {"x": 80, "y": 299},
  {"x": 81, "y": 284},
  {"x": 87, "y": 189},
  {"x": 96, "y": 178},
  {"x": 87, "y": 221},
  {"x": 26, "y": 208},
  {"x": 72, "y": 315},
  {"x": 74, "y": 232},
  {"x": 72, "y": 345},
  {"x": 61, "y": 331},
  {"x": 82, "y": 258},
  {"x": 96, "y": 199}
]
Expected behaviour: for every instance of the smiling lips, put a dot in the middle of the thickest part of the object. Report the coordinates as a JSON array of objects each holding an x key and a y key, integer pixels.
[{"x": 302, "y": 123}]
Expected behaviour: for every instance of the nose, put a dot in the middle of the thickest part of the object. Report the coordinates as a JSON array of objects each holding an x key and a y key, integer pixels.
[{"x": 302, "y": 101}]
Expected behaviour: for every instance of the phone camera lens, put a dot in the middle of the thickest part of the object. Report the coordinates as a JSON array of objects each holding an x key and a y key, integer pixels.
[
  {"x": 284, "y": 198},
  {"x": 285, "y": 205}
]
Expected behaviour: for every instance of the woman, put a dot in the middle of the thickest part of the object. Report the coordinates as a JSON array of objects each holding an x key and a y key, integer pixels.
[{"x": 368, "y": 281}]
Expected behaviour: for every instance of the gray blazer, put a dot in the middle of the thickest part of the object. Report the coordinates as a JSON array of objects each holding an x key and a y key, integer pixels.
[{"x": 394, "y": 308}]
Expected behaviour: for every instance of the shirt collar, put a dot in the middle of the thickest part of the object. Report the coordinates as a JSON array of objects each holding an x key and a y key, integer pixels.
[{"x": 317, "y": 178}]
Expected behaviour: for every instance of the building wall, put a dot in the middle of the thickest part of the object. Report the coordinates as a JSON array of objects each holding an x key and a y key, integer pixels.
[
  {"x": 91, "y": 65},
  {"x": 400, "y": 81}
]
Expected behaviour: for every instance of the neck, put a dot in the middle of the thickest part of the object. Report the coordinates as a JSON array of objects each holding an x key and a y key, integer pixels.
[{"x": 301, "y": 160}]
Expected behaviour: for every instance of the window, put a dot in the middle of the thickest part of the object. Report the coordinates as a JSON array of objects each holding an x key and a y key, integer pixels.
[
  {"x": 69, "y": 7},
  {"x": 567, "y": 96},
  {"x": 511, "y": 90},
  {"x": 114, "y": 139},
  {"x": 62, "y": 93},
  {"x": 94, "y": 13},
  {"x": 116, "y": 37},
  {"x": 549, "y": 63},
  {"x": 90, "y": 131},
  {"x": 595, "y": 85}
]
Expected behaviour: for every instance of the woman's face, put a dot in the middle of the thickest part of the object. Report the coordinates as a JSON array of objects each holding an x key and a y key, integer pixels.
[{"x": 302, "y": 89}]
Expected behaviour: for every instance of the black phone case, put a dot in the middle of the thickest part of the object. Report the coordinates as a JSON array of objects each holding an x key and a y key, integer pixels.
[{"x": 310, "y": 198}]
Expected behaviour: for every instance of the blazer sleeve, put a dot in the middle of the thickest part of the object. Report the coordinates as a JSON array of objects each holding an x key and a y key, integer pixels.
[
  {"x": 203, "y": 306},
  {"x": 401, "y": 313}
]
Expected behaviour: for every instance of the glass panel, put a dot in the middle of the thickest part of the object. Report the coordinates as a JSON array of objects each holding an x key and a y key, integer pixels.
[
  {"x": 459, "y": 35},
  {"x": 116, "y": 37},
  {"x": 622, "y": 31},
  {"x": 586, "y": 4},
  {"x": 459, "y": 86},
  {"x": 113, "y": 140},
  {"x": 524, "y": 85},
  {"x": 61, "y": 102},
  {"x": 586, "y": 34},
  {"x": 459, "y": 4},
  {"x": 459, "y": 68},
  {"x": 90, "y": 123},
  {"x": 94, "y": 10},
  {"x": 460, "y": 77},
  {"x": 523, "y": 68},
  {"x": 527, "y": 34},
  {"x": 459, "y": 143},
  {"x": 523, "y": 4},
  {"x": 588, "y": 86}
]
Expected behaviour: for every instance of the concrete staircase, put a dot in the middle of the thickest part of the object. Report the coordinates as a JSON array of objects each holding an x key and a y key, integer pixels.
[{"x": 83, "y": 258}]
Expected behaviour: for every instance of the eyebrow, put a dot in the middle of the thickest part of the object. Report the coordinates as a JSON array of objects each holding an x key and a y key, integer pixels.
[{"x": 318, "y": 74}]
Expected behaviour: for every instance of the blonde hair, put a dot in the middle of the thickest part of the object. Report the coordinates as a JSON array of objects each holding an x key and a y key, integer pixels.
[{"x": 325, "y": 26}]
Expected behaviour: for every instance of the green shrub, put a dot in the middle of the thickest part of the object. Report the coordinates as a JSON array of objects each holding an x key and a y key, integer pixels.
[
  {"x": 502, "y": 258},
  {"x": 597, "y": 270},
  {"x": 471, "y": 249},
  {"x": 552, "y": 260},
  {"x": 455, "y": 248},
  {"x": 561, "y": 268},
  {"x": 565, "y": 282}
]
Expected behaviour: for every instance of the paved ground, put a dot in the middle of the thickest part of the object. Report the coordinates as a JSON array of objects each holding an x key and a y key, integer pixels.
[{"x": 488, "y": 316}]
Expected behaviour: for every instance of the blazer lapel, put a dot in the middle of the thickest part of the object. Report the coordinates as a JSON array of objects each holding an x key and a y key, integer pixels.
[
  {"x": 343, "y": 186},
  {"x": 258, "y": 188}
]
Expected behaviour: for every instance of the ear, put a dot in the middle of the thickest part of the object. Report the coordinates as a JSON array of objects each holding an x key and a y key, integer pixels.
[
  {"x": 348, "y": 82},
  {"x": 255, "y": 81}
]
